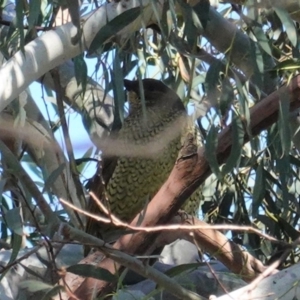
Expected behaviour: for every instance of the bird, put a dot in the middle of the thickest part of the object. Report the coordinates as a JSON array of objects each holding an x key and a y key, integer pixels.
[{"x": 156, "y": 124}]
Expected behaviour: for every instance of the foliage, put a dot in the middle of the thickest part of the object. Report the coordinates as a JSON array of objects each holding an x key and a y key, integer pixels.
[{"x": 221, "y": 63}]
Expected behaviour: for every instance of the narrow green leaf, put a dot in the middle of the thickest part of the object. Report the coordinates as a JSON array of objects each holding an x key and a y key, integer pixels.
[
  {"x": 212, "y": 80},
  {"x": 267, "y": 221},
  {"x": 34, "y": 12},
  {"x": 237, "y": 145},
  {"x": 81, "y": 71},
  {"x": 257, "y": 61},
  {"x": 118, "y": 88},
  {"x": 142, "y": 94},
  {"x": 262, "y": 39},
  {"x": 167, "y": 21},
  {"x": 274, "y": 141},
  {"x": 121, "y": 279},
  {"x": 162, "y": 21},
  {"x": 35, "y": 286},
  {"x": 177, "y": 270},
  {"x": 173, "y": 11},
  {"x": 18, "y": 22},
  {"x": 226, "y": 97},
  {"x": 272, "y": 179},
  {"x": 193, "y": 26},
  {"x": 14, "y": 221},
  {"x": 113, "y": 27},
  {"x": 53, "y": 177},
  {"x": 284, "y": 128},
  {"x": 288, "y": 23},
  {"x": 288, "y": 64},
  {"x": 34, "y": 272},
  {"x": 283, "y": 167},
  {"x": 92, "y": 271},
  {"x": 210, "y": 151},
  {"x": 49, "y": 295},
  {"x": 201, "y": 8},
  {"x": 259, "y": 189},
  {"x": 4, "y": 207},
  {"x": 244, "y": 107},
  {"x": 16, "y": 246},
  {"x": 270, "y": 203},
  {"x": 292, "y": 232}
]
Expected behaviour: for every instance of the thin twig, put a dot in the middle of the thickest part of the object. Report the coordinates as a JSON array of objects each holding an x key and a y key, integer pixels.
[
  {"x": 117, "y": 222},
  {"x": 18, "y": 260}
]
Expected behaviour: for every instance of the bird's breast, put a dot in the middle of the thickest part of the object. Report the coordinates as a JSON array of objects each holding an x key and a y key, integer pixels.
[{"x": 137, "y": 178}]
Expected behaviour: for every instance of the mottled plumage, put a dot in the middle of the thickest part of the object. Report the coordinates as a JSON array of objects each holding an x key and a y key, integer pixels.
[{"x": 135, "y": 179}]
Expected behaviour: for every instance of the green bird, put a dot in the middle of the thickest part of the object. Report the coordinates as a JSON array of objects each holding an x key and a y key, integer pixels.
[{"x": 155, "y": 129}]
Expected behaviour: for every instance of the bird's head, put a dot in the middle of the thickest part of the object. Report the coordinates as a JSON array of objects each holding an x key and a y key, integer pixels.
[{"x": 156, "y": 93}]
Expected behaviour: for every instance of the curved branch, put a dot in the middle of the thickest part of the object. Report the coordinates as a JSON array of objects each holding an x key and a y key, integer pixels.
[
  {"x": 186, "y": 177},
  {"x": 40, "y": 56}
]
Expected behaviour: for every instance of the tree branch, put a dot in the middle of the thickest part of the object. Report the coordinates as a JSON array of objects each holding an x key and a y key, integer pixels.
[
  {"x": 40, "y": 56},
  {"x": 131, "y": 262},
  {"x": 186, "y": 177}
]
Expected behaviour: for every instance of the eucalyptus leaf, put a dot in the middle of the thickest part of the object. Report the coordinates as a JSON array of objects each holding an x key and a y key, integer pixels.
[
  {"x": 284, "y": 128},
  {"x": 92, "y": 271},
  {"x": 35, "y": 286},
  {"x": 53, "y": 177},
  {"x": 178, "y": 270},
  {"x": 259, "y": 189},
  {"x": 14, "y": 220},
  {"x": 35, "y": 10},
  {"x": 262, "y": 40},
  {"x": 18, "y": 22},
  {"x": 237, "y": 145},
  {"x": 52, "y": 292},
  {"x": 118, "y": 90},
  {"x": 210, "y": 151},
  {"x": 288, "y": 23},
  {"x": 113, "y": 27},
  {"x": 80, "y": 68}
]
